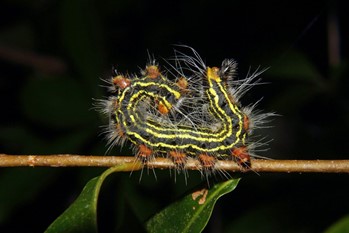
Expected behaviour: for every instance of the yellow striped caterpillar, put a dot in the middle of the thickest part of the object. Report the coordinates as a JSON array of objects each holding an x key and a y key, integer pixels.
[{"x": 197, "y": 114}]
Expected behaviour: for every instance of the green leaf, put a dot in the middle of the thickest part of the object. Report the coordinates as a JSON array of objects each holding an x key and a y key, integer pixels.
[
  {"x": 341, "y": 226},
  {"x": 191, "y": 213},
  {"x": 81, "y": 216}
]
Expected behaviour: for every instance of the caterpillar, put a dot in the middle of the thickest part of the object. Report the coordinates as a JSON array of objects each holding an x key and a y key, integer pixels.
[{"x": 195, "y": 114}]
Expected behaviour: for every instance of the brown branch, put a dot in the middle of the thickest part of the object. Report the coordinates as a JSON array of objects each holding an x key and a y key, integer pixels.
[{"x": 131, "y": 164}]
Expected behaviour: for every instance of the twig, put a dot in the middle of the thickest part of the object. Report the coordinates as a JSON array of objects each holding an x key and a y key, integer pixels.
[{"x": 257, "y": 165}]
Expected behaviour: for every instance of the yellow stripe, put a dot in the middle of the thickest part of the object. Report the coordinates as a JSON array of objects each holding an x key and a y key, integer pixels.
[
  {"x": 171, "y": 131},
  {"x": 147, "y": 84},
  {"x": 182, "y": 135},
  {"x": 164, "y": 128}
]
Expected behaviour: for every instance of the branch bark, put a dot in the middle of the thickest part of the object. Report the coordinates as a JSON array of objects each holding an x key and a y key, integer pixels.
[{"x": 257, "y": 165}]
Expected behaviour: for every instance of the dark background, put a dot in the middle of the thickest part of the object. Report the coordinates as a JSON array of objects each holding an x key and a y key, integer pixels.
[{"x": 53, "y": 54}]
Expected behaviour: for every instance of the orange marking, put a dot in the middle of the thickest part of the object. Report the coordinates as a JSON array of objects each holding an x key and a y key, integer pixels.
[
  {"x": 152, "y": 71},
  {"x": 246, "y": 122},
  {"x": 119, "y": 130},
  {"x": 182, "y": 83},
  {"x": 121, "y": 81},
  {"x": 178, "y": 158},
  {"x": 163, "y": 109},
  {"x": 242, "y": 155},
  {"x": 207, "y": 161},
  {"x": 144, "y": 151}
]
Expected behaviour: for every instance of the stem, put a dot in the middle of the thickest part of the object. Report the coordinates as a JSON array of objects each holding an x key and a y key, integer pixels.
[{"x": 131, "y": 164}]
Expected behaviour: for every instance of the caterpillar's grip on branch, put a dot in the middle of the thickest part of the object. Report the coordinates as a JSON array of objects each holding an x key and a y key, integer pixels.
[{"x": 197, "y": 114}]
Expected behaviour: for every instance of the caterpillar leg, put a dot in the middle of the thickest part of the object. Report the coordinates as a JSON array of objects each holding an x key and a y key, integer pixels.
[
  {"x": 178, "y": 158},
  {"x": 207, "y": 161},
  {"x": 241, "y": 156},
  {"x": 144, "y": 153}
]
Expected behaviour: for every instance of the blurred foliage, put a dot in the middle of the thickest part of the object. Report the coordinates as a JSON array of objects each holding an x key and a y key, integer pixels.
[
  {"x": 192, "y": 212},
  {"x": 53, "y": 54},
  {"x": 341, "y": 226}
]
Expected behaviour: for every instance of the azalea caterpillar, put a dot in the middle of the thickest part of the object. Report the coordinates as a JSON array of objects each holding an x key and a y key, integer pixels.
[{"x": 196, "y": 114}]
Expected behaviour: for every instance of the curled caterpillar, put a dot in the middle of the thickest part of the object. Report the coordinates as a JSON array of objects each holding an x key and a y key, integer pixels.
[{"x": 197, "y": 114}]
